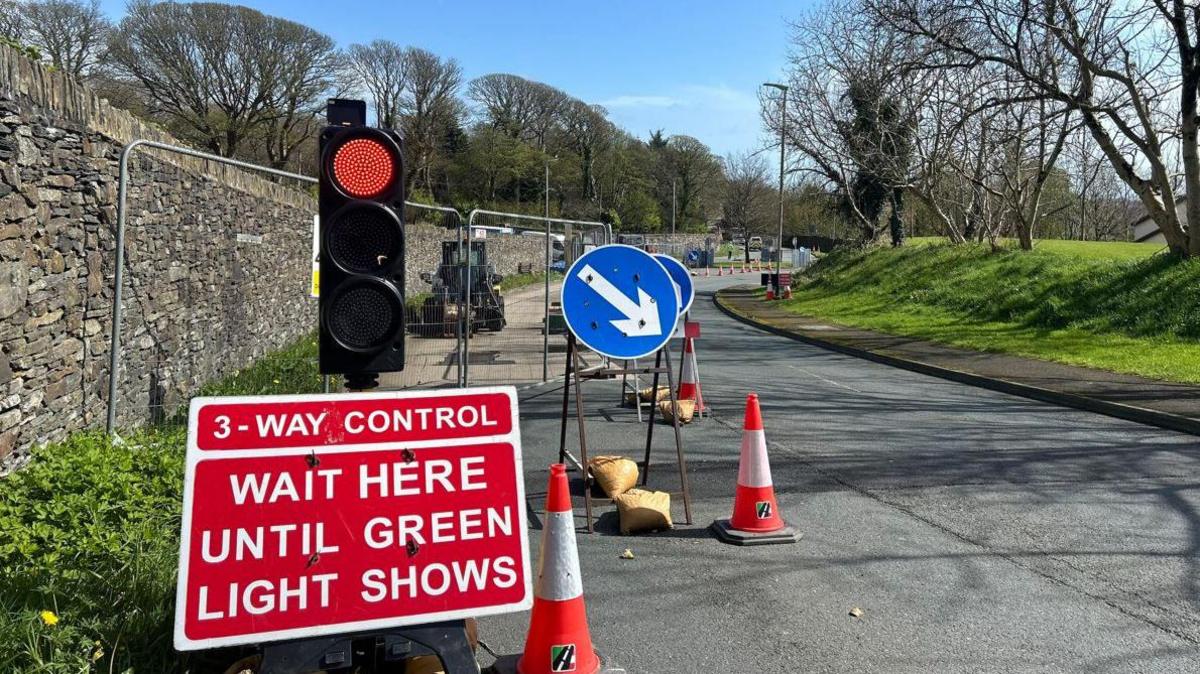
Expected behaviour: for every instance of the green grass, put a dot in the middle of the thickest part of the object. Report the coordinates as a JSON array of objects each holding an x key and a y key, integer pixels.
[
  {"x": 514, "y": 281},
  {"x": 1113, "y": 250},
  {"x": 89, "y": 531},
  {"x": 1113, "y": 306}
]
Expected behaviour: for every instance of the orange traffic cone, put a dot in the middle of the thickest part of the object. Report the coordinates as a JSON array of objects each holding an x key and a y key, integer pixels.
[
  {"x": 770, "y": 294},
  {"x": 689, "y": 382},
  {"x": 756, "y": 519},
  {"x": 558, "y": 639},
  {"x": 787, "y": 292}
]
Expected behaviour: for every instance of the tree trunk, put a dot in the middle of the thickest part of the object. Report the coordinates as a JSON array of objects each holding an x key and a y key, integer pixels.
[
  {"x": 896, "y": 221},
  {"x": 1025, "y": 235}
]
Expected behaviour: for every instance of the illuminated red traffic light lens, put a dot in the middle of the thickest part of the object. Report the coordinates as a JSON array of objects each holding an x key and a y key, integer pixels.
[{"x": 364, "y": 167}]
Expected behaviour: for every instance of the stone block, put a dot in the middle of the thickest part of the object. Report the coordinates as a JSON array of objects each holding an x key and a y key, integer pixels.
[
  {"x": 14, "y": 288},
  {"x": 10, "y": 418}
]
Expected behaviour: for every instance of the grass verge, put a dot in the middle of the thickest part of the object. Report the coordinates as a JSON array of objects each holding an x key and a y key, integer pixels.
[
  {"x": 514, "y": 281},
  {"x": 1117, "y": 307},
  {"x": 89, "y": 538}
]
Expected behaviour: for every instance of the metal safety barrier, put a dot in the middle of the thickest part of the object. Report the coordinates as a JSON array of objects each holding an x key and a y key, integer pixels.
[{"x": 524, "y": 251}]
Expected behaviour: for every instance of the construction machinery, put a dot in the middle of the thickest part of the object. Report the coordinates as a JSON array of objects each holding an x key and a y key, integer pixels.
[{"x": 441, "y": 312}]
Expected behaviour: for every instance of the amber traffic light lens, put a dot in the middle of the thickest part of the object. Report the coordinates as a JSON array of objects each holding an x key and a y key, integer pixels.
[
  {"x": 365, "y": 238},
  {"x": 364, "y": 168}
]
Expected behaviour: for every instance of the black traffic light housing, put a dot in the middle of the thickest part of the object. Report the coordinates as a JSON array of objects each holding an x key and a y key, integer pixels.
[{"x": 361, "y": 205}]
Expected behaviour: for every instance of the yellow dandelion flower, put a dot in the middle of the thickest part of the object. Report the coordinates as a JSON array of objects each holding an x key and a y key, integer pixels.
[{"x": 49, "y": 619}]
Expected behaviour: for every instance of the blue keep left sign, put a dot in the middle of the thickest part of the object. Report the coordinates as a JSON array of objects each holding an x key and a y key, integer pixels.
[
  {"x": 620, "y": 302},
  {"x": 682, "y": 278}
]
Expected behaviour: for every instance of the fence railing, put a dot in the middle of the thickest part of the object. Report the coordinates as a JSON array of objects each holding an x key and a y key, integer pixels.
[
  {"x": 492, "y": 318},
  {"x": 529, "y": 254}
]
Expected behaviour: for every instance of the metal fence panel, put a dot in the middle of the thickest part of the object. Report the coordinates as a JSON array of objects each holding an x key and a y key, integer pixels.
[
  {"x": 517, "y": 333},
  {"x": 200, "y": 297},
  {"x": 433, "y": 344}
]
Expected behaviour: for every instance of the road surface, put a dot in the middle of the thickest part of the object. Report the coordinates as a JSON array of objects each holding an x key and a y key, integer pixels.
[{"x": 977, "y": 532}]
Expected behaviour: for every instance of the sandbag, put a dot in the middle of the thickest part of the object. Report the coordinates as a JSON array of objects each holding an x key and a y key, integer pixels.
[
  {"x": 646, "y": 395},
  {"x": 429, "y": 664},
  {"x": 615, "y": 474},
  {"x": 686, "y": 408},
  {"x": 642, "y": 510},
  {"x": 423, "y": 664}
]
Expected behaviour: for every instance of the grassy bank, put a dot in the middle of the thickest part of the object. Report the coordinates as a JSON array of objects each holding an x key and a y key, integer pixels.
[
  {"x": 1119, "y": 306},
  {"x": 89, "y": 536}
]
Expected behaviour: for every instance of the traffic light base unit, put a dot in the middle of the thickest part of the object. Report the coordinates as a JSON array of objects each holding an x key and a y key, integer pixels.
[{"x": 446, "y": 640}]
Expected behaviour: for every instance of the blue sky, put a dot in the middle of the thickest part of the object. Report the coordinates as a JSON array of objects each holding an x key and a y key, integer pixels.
[{"x": 685, "y": 67}]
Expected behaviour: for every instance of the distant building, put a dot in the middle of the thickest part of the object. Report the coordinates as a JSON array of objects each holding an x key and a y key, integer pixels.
[{"x": 1145, "y": 230}]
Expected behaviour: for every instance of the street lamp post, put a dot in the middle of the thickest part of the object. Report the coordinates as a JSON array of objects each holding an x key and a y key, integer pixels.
[{"x": 782, "y": 151}]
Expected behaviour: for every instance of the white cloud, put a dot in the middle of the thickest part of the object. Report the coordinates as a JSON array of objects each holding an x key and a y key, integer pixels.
[
  {"x": 725, "y": 117},
  {"x": 724, "y": 97}
]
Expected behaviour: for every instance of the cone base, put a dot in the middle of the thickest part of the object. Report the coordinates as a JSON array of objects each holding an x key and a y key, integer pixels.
[
  {"x": 725, "y": 533},
  {"x": 507, "y": 664}
]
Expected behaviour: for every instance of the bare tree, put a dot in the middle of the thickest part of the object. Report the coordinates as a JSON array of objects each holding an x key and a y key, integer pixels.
[
  {"x": 71, "y": 33},
  {"x": 698, "y": 176},
  {"x": 306, "y": 67},
  {"x": 586, "y": 131},
  {"x": 222, "y": 74},
  {"x": 549, "y": 109},
  {"x": 381, "y": 67},
  {"x": 746, "y": 201},
  {"x": 1103, "y": 207},
  {"x": 428, "y": 105},
  {"x": 507, "y": 102},
  {"x": 836, "y": 53},
  {"x": 1131, "y": 70},
  {"x": 12, "y": 24}
]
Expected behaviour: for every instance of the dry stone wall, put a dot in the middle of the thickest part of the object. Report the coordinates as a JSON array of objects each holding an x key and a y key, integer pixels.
[{"x": 217, "y": 263}]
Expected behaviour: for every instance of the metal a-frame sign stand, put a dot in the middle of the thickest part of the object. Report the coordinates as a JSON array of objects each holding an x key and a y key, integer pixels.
[{"x": 662, "y": 365}]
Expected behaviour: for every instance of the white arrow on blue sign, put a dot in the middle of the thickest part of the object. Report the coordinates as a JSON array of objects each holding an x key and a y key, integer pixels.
[
  {"x": 682, "y": 278},
  {"x": 620, "y": 302}
]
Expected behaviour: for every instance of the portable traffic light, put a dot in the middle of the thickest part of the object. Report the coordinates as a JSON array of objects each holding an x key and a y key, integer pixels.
[{"x": 362, "y": 253}]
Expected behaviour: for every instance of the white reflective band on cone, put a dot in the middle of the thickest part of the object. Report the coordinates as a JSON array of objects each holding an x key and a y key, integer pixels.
[
  {"x": 688, "y": 376},
  {"x": 558, "y": 561},
  {"x": 753, "y": 469}
]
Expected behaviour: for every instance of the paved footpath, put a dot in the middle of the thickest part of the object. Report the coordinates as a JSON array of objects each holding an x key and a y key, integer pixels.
[{"x": 977, "y": 531}]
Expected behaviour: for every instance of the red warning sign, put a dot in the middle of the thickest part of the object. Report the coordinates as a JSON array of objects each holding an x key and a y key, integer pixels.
[{"x": 324, "y": 514}]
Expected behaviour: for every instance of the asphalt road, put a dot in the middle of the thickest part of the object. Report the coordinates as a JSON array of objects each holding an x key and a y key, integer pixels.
[{"x": 978, "y": 532}]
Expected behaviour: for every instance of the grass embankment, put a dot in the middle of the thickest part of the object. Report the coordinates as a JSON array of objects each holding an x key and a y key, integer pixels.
[
  {"x": 89, "y": 539},
  {"x": 1115, "y": 306}
]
